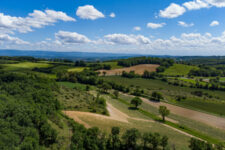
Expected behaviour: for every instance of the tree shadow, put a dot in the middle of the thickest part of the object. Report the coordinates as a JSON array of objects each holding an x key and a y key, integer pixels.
[{"x": 132, "y": 108}]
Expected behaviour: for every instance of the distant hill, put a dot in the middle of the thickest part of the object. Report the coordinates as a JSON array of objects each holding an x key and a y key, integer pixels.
[{"x": 66, "y": 55}]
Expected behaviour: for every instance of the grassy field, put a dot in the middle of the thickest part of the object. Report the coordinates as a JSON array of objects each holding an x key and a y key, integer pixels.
[
  {"x": 178, "y": 69},
  {"x": 222, "y": 79},
  {"x": 74, "y": 97},
  {"x": 77, "y": 69},
  {"x": 170, "y": 92},
  {"x": 207, "y": 106},
  {"x": 24, "y": 65},
  {"x": 112, "y": 64},
  {"x": 175, "y": 138},
  {"x": 198, "y": 126}
]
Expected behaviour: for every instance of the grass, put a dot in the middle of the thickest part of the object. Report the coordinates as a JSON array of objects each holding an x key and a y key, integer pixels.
[
  {"x": 183, "y": 128},
  {"x": 77, "y": 69},
  {"x": 113, "y": 65},
  {"x": 222, "y": 79},
  {"x": 73, "y": 98},
  {"x": 176, "y": 138},
  {"x": 198, "y": 126},
  {"x": 170, "y": 92},
  {"x": 178, "y": 70},
  {"x": 207, "y": 106},
  {"x": 24, "y": 65},
  {"x": 62, "y": 126}
]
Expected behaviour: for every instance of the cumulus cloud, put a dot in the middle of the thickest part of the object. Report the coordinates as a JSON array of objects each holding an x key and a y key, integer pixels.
[
  {"x": 6, "y": 39},
  {"x": 89, "y": 12},
  {"x": 196, "y": 4},
  {"x": 112, "y": 15},
  {"x": 175, "y": 10},
  {"x": 155, "y": 25},
  {"x": 65, "y": 37},
  {"x": 172, "y": 11},
  {"x": 137, "y": 28},
  {"x": 216, "y": 3},
  {"x": 184, "y": 24},
  {"x": 214, "y": 23},
  {"x": 36, "y": 19},
  {"x": 126, "y": 39}
]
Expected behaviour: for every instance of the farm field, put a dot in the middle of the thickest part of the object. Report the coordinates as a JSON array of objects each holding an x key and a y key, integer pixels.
[
  {"x": 196, "y": 125},
  {"x": 77, "y": 69},
  {"x": 120, "y": 117},
  {"x": 168, "y": 91},
  {"x": 178, "y": 70},
  {"x": 25, "y": 65},
  {"x": 139, "y": 69},
  {"x": 222, "y": 79},
  {"x": 113, "y": 64}
]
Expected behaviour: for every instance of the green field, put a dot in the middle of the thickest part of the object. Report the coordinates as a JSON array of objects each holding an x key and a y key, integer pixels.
[
  {"x": 198, "y": 126},
  {"x": 112, "y": 64},
  {"x": 24, "y": 65},
  {"x": 77, "y": 69},
  {"x": 222, "y": 79},
  {"x": 73, "y": 96},
  {"x": 178, "y": 70},
  {"x": 170, "y": 92},
  {"x": 179, "y": 140}
]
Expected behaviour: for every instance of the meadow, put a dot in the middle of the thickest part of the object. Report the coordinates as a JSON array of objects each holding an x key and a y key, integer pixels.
[
  {"x": 178, "y": 70},
  {"x": 77, "y": 69},
  {"x": 24, "y": 65},
  {"x": 179, "y": 140}
]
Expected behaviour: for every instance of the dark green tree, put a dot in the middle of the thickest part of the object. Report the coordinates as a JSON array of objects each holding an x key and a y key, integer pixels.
[
  {"x": 163, "y": 111},
  {"x": 136, "y": 101}
]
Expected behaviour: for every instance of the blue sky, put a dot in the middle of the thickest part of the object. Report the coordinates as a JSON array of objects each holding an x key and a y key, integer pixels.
[{"x": 174, "y": 27}]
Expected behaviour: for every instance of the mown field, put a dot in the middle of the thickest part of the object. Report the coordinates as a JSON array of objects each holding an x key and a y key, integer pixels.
[{"x": 178, "y": 70}]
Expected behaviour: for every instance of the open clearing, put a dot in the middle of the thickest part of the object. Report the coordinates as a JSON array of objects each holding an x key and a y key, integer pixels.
[
  {"x": 179, "y": 69},
  {"x": 119, "y": 117},
  {"x": 139, "y": 69},
  {"x": 211, "y": 120}
]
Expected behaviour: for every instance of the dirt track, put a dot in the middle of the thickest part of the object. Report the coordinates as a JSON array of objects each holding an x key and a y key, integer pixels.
[
  {"x": 115, "y": 114},
  {"x": 211, "y": 120},
  {"x": 139, "y": 69}
]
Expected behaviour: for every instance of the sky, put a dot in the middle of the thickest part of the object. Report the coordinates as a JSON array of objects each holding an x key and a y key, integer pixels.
[{"x": 155, "y": 27}]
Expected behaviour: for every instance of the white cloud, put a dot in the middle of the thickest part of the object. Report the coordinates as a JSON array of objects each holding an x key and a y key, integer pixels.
[
  {"x": 214, "y": 23},
  {"x": 216, "y": 3},
  {"x": 126, "y": 39},
  {"x": 184, "y": 24},
  {"x": 137, "y": 28},
  {"x": 89, "y": 12},
  {"x": 112, "y": 15},
  {"x": 175, "y": 10},
  {"x": 196, "y": 4},
  {"x": 172, "y": 11},
  {"x": 65, "y": 37},
  {"x": 6, "y": 39},
  {"x": 155, "y": 25},
  {"x": 37, "y": 19}
]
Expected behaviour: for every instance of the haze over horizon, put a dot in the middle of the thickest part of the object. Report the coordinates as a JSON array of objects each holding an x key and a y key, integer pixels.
[{"x": 172, "y": 27}]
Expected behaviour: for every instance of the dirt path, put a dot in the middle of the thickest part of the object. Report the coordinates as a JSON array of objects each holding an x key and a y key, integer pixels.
[
  {"x": 211, "y": 120},
  {"x": 115, "y": 114},
  {"x": 73, "y": 115}
]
